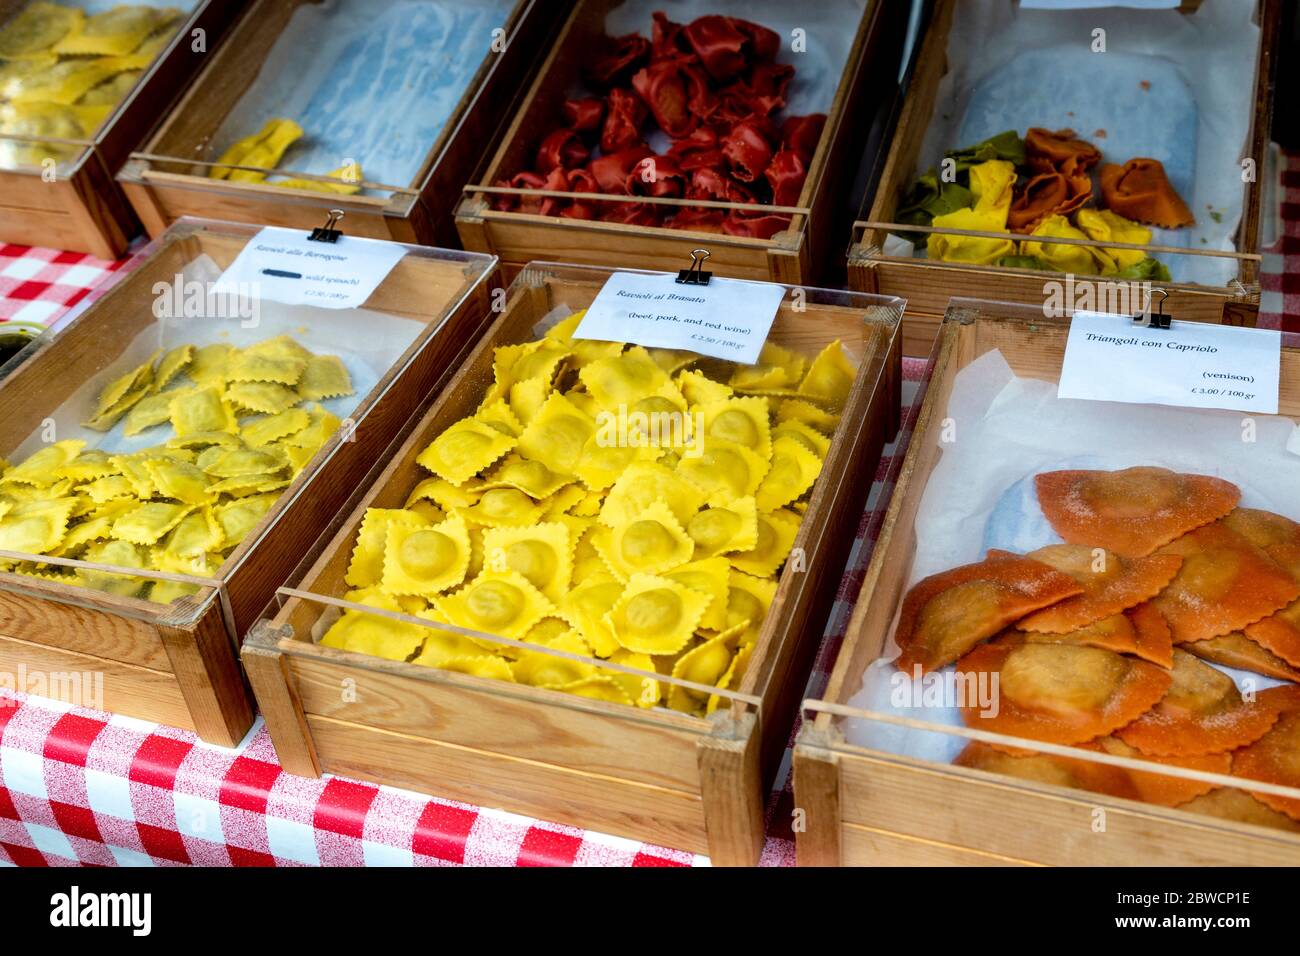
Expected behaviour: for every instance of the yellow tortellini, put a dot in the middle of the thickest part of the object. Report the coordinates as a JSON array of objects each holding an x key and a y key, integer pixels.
[
  {"x": 181, "y": 505},
  {"x": 604, "y": 503}
]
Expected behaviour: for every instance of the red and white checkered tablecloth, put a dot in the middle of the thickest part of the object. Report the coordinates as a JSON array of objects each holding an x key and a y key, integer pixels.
[{"x": 81, "y": 787}]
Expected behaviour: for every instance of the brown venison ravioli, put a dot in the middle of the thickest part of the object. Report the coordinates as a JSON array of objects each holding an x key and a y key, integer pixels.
[
  {"x": 1228, "y": 803},
  {"x": 947, "y": 614},
  {"x": 1110, "y": 583},
  {"x": 1134, "y": 511},
  {"x": 1141, "y": 631},
  {"x": 1077, "y": 774},
  {"x": 1275, "y": 757},
  {"x": 1279, "y": 538},
  {"x": 1224, "y": 585},
  {"x": 1203, "y": 713},
  {"x": 1061, "y": 693},
  {"x": 1239, "y": 651},
  {"x": 1161, "y": 788}
]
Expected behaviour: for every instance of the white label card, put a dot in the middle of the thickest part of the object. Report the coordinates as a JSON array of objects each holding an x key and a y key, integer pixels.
[
  {"x": 728, "y": 318},
  {"x": 1195, "y": 364},
  {"x": 283, "y": 265}
]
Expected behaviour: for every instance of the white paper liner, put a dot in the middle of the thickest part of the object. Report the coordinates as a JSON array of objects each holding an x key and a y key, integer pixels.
[
  {"x": 1012, "y": 68},
  {"x": 371, "y": 81},
  {"x": 366, "y": 341},
  {"x": 1005, "y": 430}
]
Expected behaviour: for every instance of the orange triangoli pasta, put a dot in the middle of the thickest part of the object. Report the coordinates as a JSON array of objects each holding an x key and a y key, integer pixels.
[
  {"x": 1134, "y": 511},
  {"x": 1279, "y": 538},
  {"x": 1061, "y": 693},
  {"x": 1273, "y": 758},
  {"x": 1156, "y": 787},
  {"x": 1141, "y": 632},
  {"x": 1110, "y": 583},
  {"x": 1225, "y": 584},
  {"x": 1228, "y": 803},
  {"x": 1049, "y": 768},
  {"x": 1239, "y": 651},
  {"x": 1203, "y": 713},
  {"x": 947, "y": 614}
]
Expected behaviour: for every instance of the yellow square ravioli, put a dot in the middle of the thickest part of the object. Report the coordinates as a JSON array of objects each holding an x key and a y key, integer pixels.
[
  {"x": 366, "y": 568},
  {"x": 424, "y": 560},
  {"x": 147, "y": 522},
  {"x": 503, "y": 603},
  {"x": 542, "y": 553},
  {"x": 463, "y": 450},
  {"x": 202, "y": 410},
  {"x": 651, "y": 543},
  {"x": 655, "y": 615}
]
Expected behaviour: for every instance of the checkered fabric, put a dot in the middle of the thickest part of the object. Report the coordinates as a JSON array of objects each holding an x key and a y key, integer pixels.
[
  {"x": 39, "y": 285},
  {"x": 1279, "y": 306}
]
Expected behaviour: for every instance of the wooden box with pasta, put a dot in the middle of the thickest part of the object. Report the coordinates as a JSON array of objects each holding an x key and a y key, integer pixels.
[
  {"x": 1078, "y": 639},
  {"x": 611, "y": 627},
  {"x": 642, "y": 137},
  {"x": 81, "y": 83},
  {"x": 1074, "y": 158},
  {"x": 383, "y": 110},
  {"x": 174, "y": 452}
]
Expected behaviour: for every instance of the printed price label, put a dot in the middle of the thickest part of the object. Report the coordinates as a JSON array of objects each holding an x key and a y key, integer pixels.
[
  {"x": 283, "y": 265},
  {"x": 1195, "y": 364},
  {"x": 728, "y": 318}
]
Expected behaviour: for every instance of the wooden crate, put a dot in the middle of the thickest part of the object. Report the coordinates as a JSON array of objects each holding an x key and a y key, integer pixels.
[
  {"x": 868, "y": 807},
  {"x": 655, "y": 775},
  {"x": 177, "y": 663},
  {"x": 164, "y": 181},
  {"x": 928, "y": 284},
  {"x": 83, "y": 209},
  {"x": 795, "y": 255}
]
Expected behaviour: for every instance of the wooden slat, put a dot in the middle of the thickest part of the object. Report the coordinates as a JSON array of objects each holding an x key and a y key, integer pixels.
[
  {"x": 817, "y": 827},
  {"x": 928, "y": 286},
  {"x": 607, "y": 804},
  {"x": 1043, "y": 824},
  {"x": 634, "y": 749},
  {"x": 520, "y": 239},
  {"x": 277, "y": 698},
  {"x": 864, "y": 846},
  {"x": 134, "y": 691},
  {"x": 219, "y": 702},
  {"x": 731, "y": 787},
  {"x": 85, "y": 631}
]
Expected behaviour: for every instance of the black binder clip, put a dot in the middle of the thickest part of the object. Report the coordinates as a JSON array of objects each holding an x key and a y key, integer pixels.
[
  {"x": 695, "y": 275},
  {"x": 327, "y": 232},
  {"x": 1154, "y": 321}
]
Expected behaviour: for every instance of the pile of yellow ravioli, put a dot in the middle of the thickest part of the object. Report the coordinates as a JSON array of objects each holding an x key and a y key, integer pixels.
[
  {"x": 628, "y": 504},
  {"x": 245, "y": 422},
  {"x": 62, "y": 73}
]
